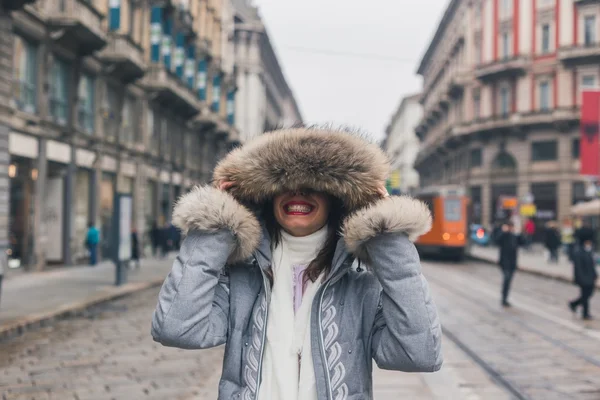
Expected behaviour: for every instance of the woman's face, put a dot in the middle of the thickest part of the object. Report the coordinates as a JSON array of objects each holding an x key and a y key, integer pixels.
[{"x": 301, "y": 213}]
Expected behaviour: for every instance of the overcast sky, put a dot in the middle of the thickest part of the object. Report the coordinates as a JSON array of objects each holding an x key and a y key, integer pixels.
[{"x": 359, "y": 91}]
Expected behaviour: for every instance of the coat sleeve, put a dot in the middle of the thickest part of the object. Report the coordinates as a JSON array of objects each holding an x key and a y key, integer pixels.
[
  {"x": 193, "y": 303},
  {"x": 406, "y": 333}
]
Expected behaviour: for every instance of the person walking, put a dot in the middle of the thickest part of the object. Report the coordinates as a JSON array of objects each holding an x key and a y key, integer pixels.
[
  {"x": 567, "y": 234},
  {"x": 508, "y": 245},
  {"x": 154, "y": 238},
  {"x": 585, "y": 276},
  {"x": 529, "y": 233},
  {"x": 92, "y": 240},
  {"x": 135, "y": 248},
  {"x": 552, "y": 241},
  {"x": 266, "y": 266}
]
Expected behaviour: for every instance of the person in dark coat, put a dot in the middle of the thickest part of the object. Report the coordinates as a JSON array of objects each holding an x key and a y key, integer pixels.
[
  {"x": 135, "y": 248},
  {"x": 552, "y": 242},
  {"x": 164, "y": 241},
  {"x": 585, "y": 233},
  {"x": 508, "y": 244},
  {"x": 585, "y": 276},
  {"x": 154, "y": 238}
]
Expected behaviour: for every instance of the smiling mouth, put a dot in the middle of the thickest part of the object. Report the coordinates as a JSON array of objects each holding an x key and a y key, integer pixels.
[{"x": 298, "y": 208}]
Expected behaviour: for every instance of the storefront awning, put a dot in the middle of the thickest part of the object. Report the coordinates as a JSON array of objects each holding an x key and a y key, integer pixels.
[{"x": 587, "y": 208}]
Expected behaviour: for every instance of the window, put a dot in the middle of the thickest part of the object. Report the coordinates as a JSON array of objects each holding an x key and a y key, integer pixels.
[
  {"x": 478, "y": 55},
  {"x": 452, "y": 209},
  {"x": 25, "y": 75},
  {"x": 544, "y": 96},
  {"x": 59, "y": 85},
  {"x": 128, "y": 120},
  {"x": 589, "y": 26},
  {"x": 476, "y": 158},
  {"x": 85, "y": 105},
  {"x": 476, "y": 103},
  {"x": 575, "y": 149},
  {"x": 504, "y": 101},
  {"x": 505, "y": 45},
  {"x": 588, "y": 82},
  {"x": 545, "y": 39},
  {"x": 544, "y": 151},
  {"x": 111, "y": 112}
]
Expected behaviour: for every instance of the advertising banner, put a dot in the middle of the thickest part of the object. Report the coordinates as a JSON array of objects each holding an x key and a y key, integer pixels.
[{"x": 589, "y": 152}]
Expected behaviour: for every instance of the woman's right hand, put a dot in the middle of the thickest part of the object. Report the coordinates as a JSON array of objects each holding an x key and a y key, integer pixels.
[{"x": 226, "y": 185}]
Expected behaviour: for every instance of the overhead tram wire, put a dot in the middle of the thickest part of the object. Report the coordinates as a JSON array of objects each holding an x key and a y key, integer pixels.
[{"x": 363, "y": 56}]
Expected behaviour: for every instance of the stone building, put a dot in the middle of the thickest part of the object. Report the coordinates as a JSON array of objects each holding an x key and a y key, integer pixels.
[
  {"x": 502, "y": 82},
  {"x": 99, "y": 97},
  {"x": 402, "y": 144},
  {"x": 264, "y": 100}
]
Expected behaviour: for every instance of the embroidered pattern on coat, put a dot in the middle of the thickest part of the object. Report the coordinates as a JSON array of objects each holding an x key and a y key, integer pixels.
[
  {"x": 253, "y": 353},
  {"x": 333, "y": 349}
]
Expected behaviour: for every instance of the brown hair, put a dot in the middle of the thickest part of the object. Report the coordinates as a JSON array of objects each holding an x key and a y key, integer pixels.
[{"x": 323, "y": 260}]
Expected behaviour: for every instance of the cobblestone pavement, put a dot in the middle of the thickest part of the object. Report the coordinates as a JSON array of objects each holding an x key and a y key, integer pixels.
[
  {"x": 109, "y": 354},
  {"x": 537, "y": 347}
]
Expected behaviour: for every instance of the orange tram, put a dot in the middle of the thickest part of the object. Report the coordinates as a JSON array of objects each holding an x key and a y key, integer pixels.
[{"x": 449, "y": 230}]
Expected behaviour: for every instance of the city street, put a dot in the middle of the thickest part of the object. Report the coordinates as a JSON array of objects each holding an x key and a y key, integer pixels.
[{"x": 536, "y": 350}]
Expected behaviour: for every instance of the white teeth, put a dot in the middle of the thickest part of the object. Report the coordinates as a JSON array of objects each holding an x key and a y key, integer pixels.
[{"x": 299, "y": 208}]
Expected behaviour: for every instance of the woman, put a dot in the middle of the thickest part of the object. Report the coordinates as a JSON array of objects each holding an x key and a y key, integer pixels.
[{"x": 277, "y": 284}]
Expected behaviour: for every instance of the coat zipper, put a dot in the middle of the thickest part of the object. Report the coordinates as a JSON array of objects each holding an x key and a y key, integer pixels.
[{"x": 264, "y": 335}]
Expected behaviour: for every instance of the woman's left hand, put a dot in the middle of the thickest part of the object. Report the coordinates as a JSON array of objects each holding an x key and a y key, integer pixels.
[{"x": 383, "y": 192}]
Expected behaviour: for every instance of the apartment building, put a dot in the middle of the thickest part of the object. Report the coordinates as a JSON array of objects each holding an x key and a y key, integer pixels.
[
  {"x": 402, "y": 144},
  {"x": 104, "y": 97},
  {"x": 264, "y": 100},
  {"x": 502, "y": 82}
]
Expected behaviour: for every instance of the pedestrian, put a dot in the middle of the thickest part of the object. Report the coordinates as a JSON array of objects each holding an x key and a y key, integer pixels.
[
  {"x": 92, "y": 239},
  {"x": 529, "y": 233},
  {"x": 567, "y": 234},
  {"x": 552, "y": 241},
  {"x": 154, "y": 238},
  {"x": 585, "y": 276},
  {"x": 508, "y": 245},
  {"x": 585, "y": 233},
  {"x": 266, "y": 267},
  {"x": 164, "y": 241},
  {"x": 135, "y": 248}
]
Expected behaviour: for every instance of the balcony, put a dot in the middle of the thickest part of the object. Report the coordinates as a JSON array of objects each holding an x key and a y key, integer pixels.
[
  {"x": 203, "y": 47},
  {"x": 581, "y": 54},
  {"x": 184, "y": 22},
  {"x": 13, "y": 5},
  {"x": 457, "y": 83},
  {"x": 206, "y": 119},
  {"x": 167, "y": 90},
  {"x": 508, "y": 67},
  {"x": 517, "y": 121},
  {"x": 77, "y": 24},
  {"x": 124, "y": 58}
]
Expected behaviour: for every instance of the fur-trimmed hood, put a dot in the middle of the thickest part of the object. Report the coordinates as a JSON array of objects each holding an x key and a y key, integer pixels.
[
  {"x": 341, "y": 164},
  {"x": 338, "y": 163}
]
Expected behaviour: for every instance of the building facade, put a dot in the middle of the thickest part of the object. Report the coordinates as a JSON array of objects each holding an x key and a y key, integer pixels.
[
  {"x": 264, "y": 100},
  {"x": 502, "y": 82},
  {"x": 401, "y": 142},
  {"x": 100, "y": 97}
]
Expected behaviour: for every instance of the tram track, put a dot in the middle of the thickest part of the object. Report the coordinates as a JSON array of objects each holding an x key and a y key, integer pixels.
[{"x": 451, "y": 284}]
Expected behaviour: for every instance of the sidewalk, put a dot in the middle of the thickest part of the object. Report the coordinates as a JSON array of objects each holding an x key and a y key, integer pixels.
[
  {"x": 30, "y": 299},
  {"x": 531, "y": 261}
]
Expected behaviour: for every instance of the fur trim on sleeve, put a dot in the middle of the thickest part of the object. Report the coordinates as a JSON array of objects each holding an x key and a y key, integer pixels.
[
  {"x": 208, "y": 209},
  {"x": 394, "y": 214}
]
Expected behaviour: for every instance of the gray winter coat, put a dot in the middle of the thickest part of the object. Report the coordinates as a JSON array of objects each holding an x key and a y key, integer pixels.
[{"x": 218, "y": 291}]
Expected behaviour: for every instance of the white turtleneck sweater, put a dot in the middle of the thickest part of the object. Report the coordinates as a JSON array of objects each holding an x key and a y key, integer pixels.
[{"x": 287, "y": 369}]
